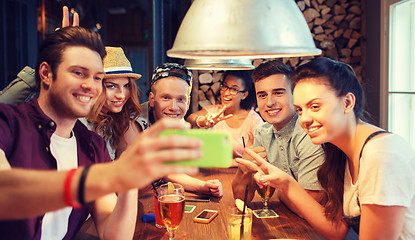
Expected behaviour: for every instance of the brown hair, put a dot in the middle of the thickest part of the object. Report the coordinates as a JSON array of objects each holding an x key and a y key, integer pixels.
[
  {"x": 273, "y": 67},
  {"x": 55, "y": 44},
  {"x": 113, "y": 126},
  {"x": 341, "y": 78}
]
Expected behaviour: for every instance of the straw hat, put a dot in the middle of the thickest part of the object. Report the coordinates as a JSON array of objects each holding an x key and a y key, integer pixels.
[{"x": 117, "y": 65}]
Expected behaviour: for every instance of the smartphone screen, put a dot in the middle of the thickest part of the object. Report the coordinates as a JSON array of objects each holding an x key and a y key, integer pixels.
[
  {"x": 206, "y": 214},
  {"x": 216, "y": 148}
]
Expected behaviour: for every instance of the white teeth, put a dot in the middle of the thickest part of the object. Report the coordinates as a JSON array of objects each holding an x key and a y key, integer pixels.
[
  {"x": 312, "y": 129},
  {"x": 84, "y": 98},
  {"x": 273, "y": 111},
  {"x": 172, "y": 115}
]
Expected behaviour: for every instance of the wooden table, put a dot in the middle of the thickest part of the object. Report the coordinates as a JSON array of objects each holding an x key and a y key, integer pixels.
[{"x": 286, "y": 226}]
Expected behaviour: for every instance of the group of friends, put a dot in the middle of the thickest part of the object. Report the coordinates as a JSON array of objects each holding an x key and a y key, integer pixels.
[{"x": 346, "y": 177}]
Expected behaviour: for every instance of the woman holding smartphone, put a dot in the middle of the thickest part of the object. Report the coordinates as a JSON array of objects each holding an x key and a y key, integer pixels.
[{"x": 369, "y": 174}]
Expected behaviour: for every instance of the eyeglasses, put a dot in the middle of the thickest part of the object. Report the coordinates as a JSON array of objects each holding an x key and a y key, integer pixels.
[{"x": 232, "y": 91}]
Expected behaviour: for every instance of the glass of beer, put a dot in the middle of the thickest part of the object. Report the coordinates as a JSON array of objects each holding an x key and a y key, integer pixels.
[
  {"x": 171, "y": 206},
  {"x": 266, "y": 193}
]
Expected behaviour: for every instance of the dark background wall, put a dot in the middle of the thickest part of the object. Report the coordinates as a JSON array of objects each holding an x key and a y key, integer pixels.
[{"x": 145, "y": 29}]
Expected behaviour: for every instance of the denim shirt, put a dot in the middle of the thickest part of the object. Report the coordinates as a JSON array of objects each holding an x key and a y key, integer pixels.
[
  {"x": 25, "y": 139},
  {"x": 291, "y": 150}
]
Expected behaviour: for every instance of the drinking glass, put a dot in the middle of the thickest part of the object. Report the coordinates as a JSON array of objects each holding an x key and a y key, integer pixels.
[
  {"x": 171, "y": 206},
  {"x": 159, "y": 223},
  {"x": 265, "y": 193},
  {"x": 235, "y": 230}
]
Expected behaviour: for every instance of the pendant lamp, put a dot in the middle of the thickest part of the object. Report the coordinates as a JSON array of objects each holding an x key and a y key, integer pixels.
[{"x": 250, "y": 29}]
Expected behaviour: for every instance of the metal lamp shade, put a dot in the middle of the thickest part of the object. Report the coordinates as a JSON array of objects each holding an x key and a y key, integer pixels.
[
  {"x": 243, "y": 29},
  {"x": 219, "y": 64}
]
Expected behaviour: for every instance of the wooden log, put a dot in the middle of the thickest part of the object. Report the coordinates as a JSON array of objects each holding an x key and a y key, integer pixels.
[
  {"x": 328, "y": 31},
  {"x": 204, "y": 87},
  {"x": 326, "y": 44},
  {"x": 315, "y": 5},
  {"x": 205, "y": 78},
  {"x": 202, "y": 95},
  {"x": 355, "y": 23},
  {"x": 331, "y": 53},
  {"x": 310, "y": 14},
  {"x": 348, "y": 33},
  {"x": 357, "y": 51},
  {"x": 330, "y": 3},
  {"x": 320, "y": 37},
  {"x": 301, "y": 5},
  {"x": 325, "y": 10},
  {"x": 318, "y": 30},
  {"x": 215, "y": 87},
  {"x": 217, "y": 76},
  {"x": 319, "y": 21},
  {"x": 310, "y": 25},
  {"x": 356, "y": 35},
  {"x": 338, "y": 33},
  {"x": 355, "y": 9},
  {"x": 351, "y": 43},
  {"x": 339, "y": 10},
  {"x": 345, "y": 52},
  {"x": 211, "y": 97},
  {"x": 294, "y": 61},
  {"x": 256, "y": 62},
  {"x": 338, "y": 18}
]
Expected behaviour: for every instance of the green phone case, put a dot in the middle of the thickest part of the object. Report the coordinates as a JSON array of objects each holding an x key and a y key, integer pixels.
[{"x": 216, "y": 148}]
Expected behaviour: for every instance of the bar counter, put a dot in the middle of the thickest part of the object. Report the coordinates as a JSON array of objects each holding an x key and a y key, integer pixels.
[{"x": 287, "y": 226}]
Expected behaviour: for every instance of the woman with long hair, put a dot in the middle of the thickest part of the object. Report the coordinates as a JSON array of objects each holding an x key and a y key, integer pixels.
[
  {"x": 235, "y": 114},
  {"x": 369, "y": 174},
  {"x": 115, "y": 116}
]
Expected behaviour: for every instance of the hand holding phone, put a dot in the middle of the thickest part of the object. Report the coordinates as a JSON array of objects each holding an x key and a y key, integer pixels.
[{"x": 206, "y": 216}]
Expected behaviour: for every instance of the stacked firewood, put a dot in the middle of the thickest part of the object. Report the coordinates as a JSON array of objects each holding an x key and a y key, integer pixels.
[{"x": 336, "y": 27}]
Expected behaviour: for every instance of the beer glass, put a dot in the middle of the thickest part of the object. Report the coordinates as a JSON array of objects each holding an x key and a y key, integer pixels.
[
  {"x": 171, "y": 206},
  {"x": 265, "y": 193}
]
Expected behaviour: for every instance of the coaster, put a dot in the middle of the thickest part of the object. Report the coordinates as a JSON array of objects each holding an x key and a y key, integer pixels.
[
  {"x": 189, "y": 208},
  {"x": 261, "y": 214}
]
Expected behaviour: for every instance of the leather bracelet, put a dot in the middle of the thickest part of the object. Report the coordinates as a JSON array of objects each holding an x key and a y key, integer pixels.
[
  {"x": 67, "y": 196},
  {"x": 81, "y": 187}
]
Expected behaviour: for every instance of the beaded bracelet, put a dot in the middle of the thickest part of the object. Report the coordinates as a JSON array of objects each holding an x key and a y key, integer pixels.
[
  {"x": 196, "y": 123},
  {"x": 67, "y": 189}
]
